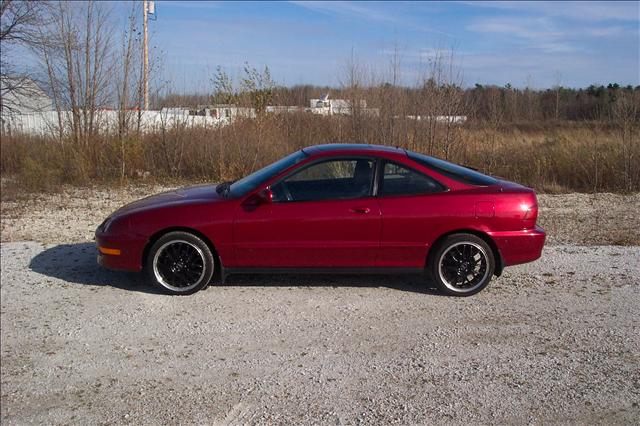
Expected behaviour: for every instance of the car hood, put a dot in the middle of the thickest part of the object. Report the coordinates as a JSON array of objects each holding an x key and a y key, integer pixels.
[{"x": 206, "y": 193}]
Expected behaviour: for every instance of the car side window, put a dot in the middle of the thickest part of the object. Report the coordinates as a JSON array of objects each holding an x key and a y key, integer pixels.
[
  {"x": 401, "y": 180},
  {"x": 334, "y": 179}
]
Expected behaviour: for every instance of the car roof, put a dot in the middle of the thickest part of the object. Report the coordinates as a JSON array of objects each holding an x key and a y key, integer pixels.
[{"x": 351, "y": 147}]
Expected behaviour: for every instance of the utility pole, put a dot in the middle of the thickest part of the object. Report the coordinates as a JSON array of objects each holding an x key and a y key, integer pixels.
[{"x": 145, "y": 54}]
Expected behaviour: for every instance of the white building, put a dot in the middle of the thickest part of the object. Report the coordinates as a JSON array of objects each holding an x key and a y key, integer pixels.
[
  {"x": 278, "y": 109},
  {"x": 453, "y": 119},
  {"x": 229, "y": 111},
  {"x": 326, "y": 106}
]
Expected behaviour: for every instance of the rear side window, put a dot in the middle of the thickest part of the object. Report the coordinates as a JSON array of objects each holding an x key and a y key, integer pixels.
[
  {"x": 453, "y": 171},
  {"x": 400, "y": 180}
]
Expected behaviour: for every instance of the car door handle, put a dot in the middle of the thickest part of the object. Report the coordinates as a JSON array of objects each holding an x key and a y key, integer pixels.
[{"x": 361, "y": 210}]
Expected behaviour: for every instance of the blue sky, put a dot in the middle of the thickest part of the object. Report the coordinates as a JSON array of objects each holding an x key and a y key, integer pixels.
[{"x": 522, "y": 43}]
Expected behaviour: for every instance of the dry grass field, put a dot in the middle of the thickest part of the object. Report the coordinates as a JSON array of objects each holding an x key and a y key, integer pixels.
[{"x": 550, "y": 157}]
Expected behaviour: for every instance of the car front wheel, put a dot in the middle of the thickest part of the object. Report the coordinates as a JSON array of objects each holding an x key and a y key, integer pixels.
[
  {"x": 180, "y": 263},
  {"x": 462, "y": 265}
]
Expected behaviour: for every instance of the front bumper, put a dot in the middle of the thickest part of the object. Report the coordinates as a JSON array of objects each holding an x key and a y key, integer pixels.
[
  {"x": 519, "y": 246},
  {"x": 131, "y": 250}
]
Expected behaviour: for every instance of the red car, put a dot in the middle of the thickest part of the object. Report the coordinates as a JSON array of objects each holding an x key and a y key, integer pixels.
[{"x": 331, "y": 208}]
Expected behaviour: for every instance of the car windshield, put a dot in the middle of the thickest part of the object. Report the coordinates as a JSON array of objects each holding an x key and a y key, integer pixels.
[
  {"x": 453, "y": 171},
  {"x": 246, "y": 184}
]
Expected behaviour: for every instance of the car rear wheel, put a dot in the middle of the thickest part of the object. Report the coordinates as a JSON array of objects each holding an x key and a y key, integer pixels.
[
  {"x": 180, "y": 263},
  {"x": 462, "y": 265}
]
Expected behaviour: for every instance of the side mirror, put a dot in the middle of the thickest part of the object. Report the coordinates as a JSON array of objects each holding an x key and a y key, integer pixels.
[{"x": 264, "y": 196}]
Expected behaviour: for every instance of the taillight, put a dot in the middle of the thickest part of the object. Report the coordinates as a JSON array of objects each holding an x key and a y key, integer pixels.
[{"x": 529, "y": 210}]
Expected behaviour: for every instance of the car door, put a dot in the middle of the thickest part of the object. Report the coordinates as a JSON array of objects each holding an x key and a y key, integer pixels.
[
  {"x": 322, "y": 215},
  {"x": 414, "y": 209}
]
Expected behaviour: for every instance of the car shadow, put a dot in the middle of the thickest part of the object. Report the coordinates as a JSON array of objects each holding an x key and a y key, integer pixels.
[
  {"x": 76, "y": 264},
  {"x": 403, "y": 282}
]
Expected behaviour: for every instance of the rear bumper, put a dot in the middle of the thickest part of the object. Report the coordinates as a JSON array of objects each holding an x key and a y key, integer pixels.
[
  {"x": 519, "y": 246},
  {"x": 130, "y": 257}
]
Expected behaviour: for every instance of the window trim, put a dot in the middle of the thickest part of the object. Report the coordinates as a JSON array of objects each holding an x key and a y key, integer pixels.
[
  {"x": 454, "y": 176},
  {"x": 380, "y": 179},
  {"x": 264, "y": 183},
  {"x": 372, "y": 188}
]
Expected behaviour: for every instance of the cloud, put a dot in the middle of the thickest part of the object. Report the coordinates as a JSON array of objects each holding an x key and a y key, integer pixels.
[
  {"x": 545, "y": 33},
  {"x": 189, "y": 4},
  {"x": 613, "y": 31},
  {"x": 537, "y": 33},
  {"x": 358, "y": 10},
  {"x": 578, "y": 11},
  {"x": 347, "y": 9},
  {"x": 529, "y": 28}
]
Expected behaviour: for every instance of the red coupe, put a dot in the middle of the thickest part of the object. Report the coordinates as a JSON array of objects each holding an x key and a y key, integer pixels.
[{"x": 331, "y": 208}]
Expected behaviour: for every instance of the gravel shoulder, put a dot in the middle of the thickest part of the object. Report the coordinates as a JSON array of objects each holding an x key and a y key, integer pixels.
[{"x": 554, "y": 341}]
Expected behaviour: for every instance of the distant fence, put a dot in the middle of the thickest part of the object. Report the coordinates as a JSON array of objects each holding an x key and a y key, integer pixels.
[{"x": 47, "y": 123}]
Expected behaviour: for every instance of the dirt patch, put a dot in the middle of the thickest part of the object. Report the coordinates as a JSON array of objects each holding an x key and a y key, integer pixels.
[
  {"x": 71, "y": 215},
  {"x": 591, "y": 219}
]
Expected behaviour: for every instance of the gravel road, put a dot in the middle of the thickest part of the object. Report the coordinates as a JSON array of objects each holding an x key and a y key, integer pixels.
[{"x": 555, "y": 341}]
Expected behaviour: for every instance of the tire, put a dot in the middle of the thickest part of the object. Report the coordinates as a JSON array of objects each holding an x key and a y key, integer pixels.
[
  {"x": 180, "y": 263},
  {"x": 462, "y": 265}
]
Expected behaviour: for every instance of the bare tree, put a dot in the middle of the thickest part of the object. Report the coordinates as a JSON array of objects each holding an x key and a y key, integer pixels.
[
  {"x": 19, "y": 24},
  {"x": 79, "y": 60},
  {"x": 557, "y": 87},
  {"x": 531, "y": 101},
  {"x": 496, "y": 116},
  {"x": 441, "y": 101},
  {"x": 510, "y": 104},
  {"x": 626, "y": 114},
  {"x": 390, "y": 100},
  {"x": 352, "y": 82},
  {"x": 19, "y": 20},
  {"x": 223, "y": 89},
  {"x": 258, "y": 86},
  {"x": 127, "y": 80}
]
